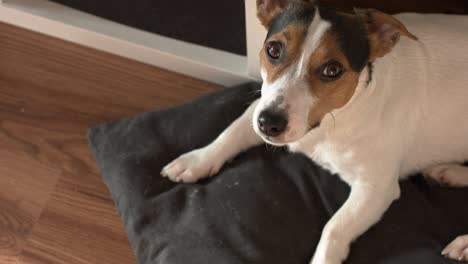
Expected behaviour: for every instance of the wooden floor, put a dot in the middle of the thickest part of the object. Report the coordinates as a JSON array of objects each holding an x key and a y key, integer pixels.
[{"x": 54, "y": 207}]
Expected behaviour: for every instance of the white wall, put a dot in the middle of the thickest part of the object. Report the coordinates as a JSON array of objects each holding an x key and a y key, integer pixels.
[{"x": 256, "y": 34}]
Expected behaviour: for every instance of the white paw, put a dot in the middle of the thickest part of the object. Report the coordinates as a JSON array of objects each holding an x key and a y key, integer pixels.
[
  {"x": 458, "y": 249},
  {"x": 454, "y": 175},
  {"x": 330, "y": 250},
  {"x": 317, "y": 260},
  {"x": 193, "y": 166}
]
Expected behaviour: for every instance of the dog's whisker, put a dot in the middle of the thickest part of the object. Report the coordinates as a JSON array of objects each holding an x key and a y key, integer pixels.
[
  {"x": 334, "y": 119},
  {"x": 256, "y": 92}
]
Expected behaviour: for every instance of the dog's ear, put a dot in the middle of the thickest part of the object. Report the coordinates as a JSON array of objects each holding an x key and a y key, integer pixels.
[
  {"x": 268, "y": 9},
  {"x": 384, "y": 31}
]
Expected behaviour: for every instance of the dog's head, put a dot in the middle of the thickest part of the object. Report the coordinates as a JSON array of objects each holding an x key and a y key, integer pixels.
[{"x": 311, "y": 62}]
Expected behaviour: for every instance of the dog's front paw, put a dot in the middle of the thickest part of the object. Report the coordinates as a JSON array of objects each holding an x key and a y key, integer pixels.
[
  {"x": 320, "y": 260},
  {"x": 193, "y": 166},
  {"x": 454, "y": 175},
  {"x": 458, "y": 249},
  {"x": 332, "y": 249},
  {"x": 321, "y": 257}
]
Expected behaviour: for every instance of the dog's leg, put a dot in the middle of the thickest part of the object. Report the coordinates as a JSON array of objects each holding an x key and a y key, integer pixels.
[
  {"x": 455, "y": 175},
  {"x": 458, "y": 249},
  {"x": 363, "y": 208},
  {"x": 207, "y": 161},
  {"x": 452, "y": 174}
]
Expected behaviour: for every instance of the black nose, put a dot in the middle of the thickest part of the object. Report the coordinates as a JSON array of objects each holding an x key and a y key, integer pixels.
[{"x": 272, "y": 123}]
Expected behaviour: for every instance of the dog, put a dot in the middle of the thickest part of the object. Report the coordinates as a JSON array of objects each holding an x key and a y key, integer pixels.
[{"x": 368, "y": 96}]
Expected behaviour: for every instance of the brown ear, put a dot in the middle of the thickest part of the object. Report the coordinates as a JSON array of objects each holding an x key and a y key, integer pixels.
[
  {"x": 384, "y": 31},
  {"x": 268, "y": 9}
]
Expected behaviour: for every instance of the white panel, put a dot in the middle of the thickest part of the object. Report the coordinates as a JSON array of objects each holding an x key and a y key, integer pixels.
[
  {"x": 256, "y": 34},
  {"x": 75, "y": 26}
]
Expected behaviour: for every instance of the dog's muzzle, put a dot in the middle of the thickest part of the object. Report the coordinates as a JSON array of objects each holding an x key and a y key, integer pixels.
[{"x": 272, "y": 123}]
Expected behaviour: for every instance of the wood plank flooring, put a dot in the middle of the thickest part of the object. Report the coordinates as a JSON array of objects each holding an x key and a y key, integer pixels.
[{"x": 54, "y": 207}]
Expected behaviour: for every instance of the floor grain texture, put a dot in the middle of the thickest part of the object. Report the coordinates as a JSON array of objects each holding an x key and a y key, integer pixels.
[{"x": 54, "y": 207}]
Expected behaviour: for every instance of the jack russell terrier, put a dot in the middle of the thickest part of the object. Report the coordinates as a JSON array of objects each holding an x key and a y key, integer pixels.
[{"x": 344, "y": 90}]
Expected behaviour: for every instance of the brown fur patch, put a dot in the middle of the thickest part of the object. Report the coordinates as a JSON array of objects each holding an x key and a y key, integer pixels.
[
  {"x": 268, "y": 9},
  {"x": 384, "y": 31},
  {"x": 332, "y": 94},
  {"x": 292, "y": 37}
]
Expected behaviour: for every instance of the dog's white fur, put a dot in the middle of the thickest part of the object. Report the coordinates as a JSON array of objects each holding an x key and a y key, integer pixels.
[{"x": 413, "y": 115}]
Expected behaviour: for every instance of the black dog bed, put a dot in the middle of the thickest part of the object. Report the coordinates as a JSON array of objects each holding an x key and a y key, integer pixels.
[{"x": 266, "y": 206}]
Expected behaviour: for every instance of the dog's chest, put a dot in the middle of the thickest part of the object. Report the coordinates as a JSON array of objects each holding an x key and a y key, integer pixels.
[{"x": 332, "y": 157}]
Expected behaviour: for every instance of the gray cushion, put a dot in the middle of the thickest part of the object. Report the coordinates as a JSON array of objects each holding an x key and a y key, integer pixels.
[{"x": 267, "y": 206}]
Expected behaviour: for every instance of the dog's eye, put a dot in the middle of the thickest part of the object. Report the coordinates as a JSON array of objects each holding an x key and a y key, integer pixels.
[
  {"x": 332, "y": 71},
  {"x": 273, "y": 49}
]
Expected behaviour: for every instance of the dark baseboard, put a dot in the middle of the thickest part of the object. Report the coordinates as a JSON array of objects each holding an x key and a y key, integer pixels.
[{"x": 211, "y": 23}]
